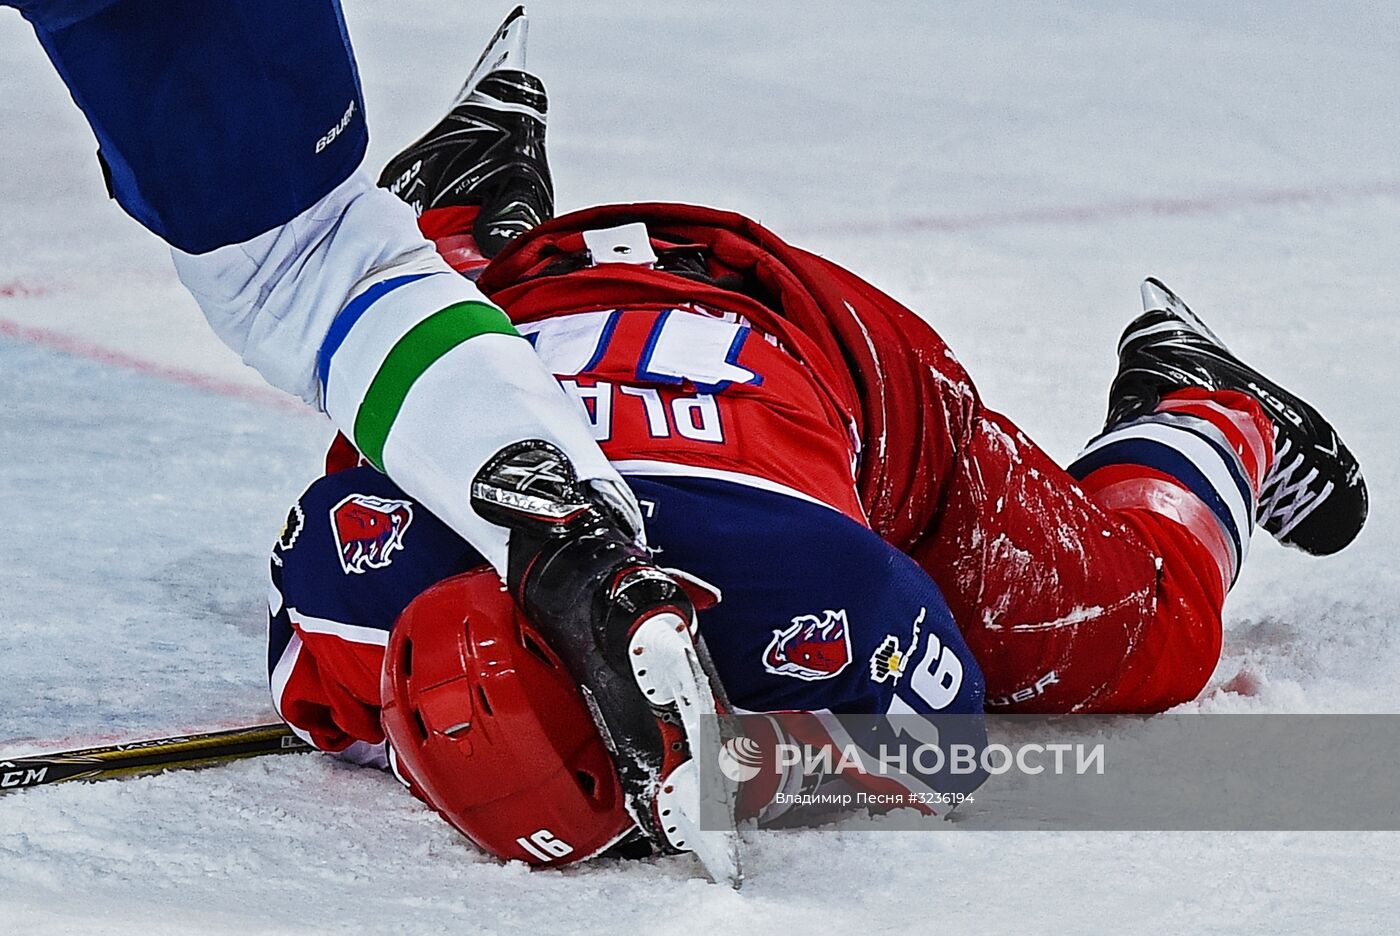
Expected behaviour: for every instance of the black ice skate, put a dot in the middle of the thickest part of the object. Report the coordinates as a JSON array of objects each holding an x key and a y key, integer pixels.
[
  {"x": 1314, "y": 497},
  {"x": 489, "y": 149},
  {"x": 626, "y": 631}
]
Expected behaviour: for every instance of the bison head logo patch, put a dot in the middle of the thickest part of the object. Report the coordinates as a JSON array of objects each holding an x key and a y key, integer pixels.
[
  {"x": 368, "y": 530},
  {"x": 811, "y": 647}
]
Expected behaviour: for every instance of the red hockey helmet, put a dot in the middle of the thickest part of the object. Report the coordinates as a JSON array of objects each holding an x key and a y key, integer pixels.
[{"x": 487, "y": 727}]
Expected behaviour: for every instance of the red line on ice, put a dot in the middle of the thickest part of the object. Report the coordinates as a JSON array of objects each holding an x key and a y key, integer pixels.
[
  {"x": 1221, "y": 203},
  {"x": 68, "y": 344},
  {"x": 19, "y": 289}
]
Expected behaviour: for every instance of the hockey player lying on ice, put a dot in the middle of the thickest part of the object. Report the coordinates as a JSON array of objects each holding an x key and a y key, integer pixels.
[{"x": 882, "y": 540}]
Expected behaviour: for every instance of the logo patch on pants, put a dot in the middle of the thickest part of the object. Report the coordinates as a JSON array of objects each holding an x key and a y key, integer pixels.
[
  {"x": 368, "y": 530},
  {"x": 291, "y": 529},
  {"x": 890, "y": 660},
  {"x": 811, "y": 647}
]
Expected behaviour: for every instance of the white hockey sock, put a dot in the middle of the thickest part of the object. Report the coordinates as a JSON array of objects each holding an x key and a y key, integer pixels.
[{"x": 350, "y": 307}]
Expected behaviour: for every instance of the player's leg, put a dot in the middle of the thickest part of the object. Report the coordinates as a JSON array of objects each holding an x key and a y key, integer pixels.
[
  {"x": 1104, "y": 596},
  {"x": 1186, "y": 477},
  {"x": 1100, "y": 588},
  {"x": 1048, "y": 588},
  {"x": 1072, "y": 602},
  {"x": 1051, "y": 590},
  {"x": 216, "y": 121},
  {"x": 234, "y": 131}
]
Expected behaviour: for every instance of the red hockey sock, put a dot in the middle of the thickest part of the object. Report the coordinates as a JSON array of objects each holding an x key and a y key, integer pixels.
[
  {"x": 1198, "y": 460},
  {"x": 450, "y": 229}
]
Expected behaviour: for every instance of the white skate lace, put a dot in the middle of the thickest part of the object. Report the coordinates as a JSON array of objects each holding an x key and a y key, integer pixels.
[{"x": 1285, "y": 500}]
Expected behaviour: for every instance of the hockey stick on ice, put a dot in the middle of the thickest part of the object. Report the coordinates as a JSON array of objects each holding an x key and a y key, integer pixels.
[{"x": 153, "y": 756}]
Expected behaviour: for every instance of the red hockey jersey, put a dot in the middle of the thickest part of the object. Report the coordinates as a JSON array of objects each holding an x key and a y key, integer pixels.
[{"x": 864, "y": 367}]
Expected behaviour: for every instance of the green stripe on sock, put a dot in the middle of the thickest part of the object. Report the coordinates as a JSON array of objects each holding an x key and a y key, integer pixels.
[{"x": 414, "y": 353}]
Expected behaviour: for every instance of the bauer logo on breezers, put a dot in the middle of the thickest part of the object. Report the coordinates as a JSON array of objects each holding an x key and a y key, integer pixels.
[
  {"x": 330, "y": 135},
  {"x": 740, "y": 759}
]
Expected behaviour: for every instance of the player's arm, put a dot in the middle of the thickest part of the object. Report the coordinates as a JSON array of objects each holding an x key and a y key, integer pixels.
[{"x": 354, "y": 551}]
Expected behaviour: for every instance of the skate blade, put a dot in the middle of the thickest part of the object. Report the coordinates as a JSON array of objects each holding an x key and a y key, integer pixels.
[
  {"x": 506, "y": 49},
  {"x": 1156, "y": 295},
  {"x": 668, "y": 671}
]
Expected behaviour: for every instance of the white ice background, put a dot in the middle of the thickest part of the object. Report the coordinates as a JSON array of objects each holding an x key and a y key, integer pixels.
[{"x": 1009, "y": 170}]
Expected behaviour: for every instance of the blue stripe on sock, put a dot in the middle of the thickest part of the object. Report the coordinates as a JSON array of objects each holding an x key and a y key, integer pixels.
[
  {"x": 1161, "y": 457},
  {"x": 348, "y": 316},
  {"x": 1231, "y": 460},
  {"x": 1193, "y": 424}
]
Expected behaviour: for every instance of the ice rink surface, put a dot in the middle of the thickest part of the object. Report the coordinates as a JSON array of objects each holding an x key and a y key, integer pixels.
[{"x": 1011, "y": 171}]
